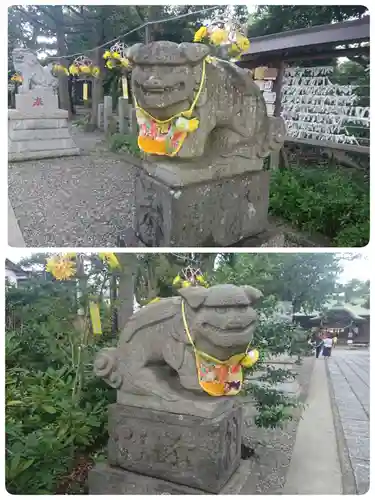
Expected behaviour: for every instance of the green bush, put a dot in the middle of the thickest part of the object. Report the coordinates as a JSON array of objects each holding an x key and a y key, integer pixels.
[
  {"x": 320, "y": 200},
  {"x": 47, "y": 424},
  {"x": 124, "y": 142}
]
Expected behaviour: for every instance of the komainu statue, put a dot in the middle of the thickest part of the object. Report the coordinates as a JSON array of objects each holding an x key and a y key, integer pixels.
[
  {"x": 33, "y": 73},
  {"x": 193, "y": 106},
  {"x": 184, "y": 349}
]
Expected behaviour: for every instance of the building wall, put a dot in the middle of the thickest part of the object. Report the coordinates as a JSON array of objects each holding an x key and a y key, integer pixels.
[{"x": 11, "y": 277}]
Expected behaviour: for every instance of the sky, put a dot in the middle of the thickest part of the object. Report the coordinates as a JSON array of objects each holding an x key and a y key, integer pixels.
[{"x": 356, "y": 269}]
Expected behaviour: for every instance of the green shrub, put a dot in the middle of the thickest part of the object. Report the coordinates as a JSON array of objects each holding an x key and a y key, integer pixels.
[
  {"x": 321, "y": 200},
  {"x": 124, "y": 142},
  {"x": 47, "y": 425}
]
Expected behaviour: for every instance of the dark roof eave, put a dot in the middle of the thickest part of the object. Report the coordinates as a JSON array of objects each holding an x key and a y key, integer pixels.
[{"x": 323, "y": 35}]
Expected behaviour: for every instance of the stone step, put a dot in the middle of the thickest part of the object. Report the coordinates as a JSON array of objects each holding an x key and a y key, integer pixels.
[
  {"x": 41, "y": 145},
  {"x": 39, "y": 155},
  {"x": 39, "y": 134},
  {"x": 38, "y": 123}
]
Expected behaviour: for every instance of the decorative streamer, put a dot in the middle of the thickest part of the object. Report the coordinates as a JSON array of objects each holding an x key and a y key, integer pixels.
[
  {"x": 95, "y": 318},
  {"x": 125, "y": 92},
  {"x": 85, "y": 91},
  {"x": 316, "y": 108}
]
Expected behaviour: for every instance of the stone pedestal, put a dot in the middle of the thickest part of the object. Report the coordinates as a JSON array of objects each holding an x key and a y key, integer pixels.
[
  {"x": 123, "y": 115},
  {"x": 177, "y": 211},
  {"x": 107, "y": 111},
  {"x": 100, "y": 116},
  {"x": 160, "y": 452},
  {"x": 37, "y": 128}
]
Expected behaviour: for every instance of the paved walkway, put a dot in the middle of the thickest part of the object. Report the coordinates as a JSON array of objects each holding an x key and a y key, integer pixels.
[
  {"x": 315, "y": 466},
  {"x": 349, "y": 372},
  {"x": 80, "y": 201}
]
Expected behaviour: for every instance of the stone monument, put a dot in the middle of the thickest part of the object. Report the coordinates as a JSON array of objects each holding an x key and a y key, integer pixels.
[
  {"x": 37, "y": 128},
  {"x": 204, "y": 128},
  {"x": 167, "y": 435}
]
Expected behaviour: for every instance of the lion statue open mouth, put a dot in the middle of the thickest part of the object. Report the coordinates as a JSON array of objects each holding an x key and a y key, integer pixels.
[{"x": 199, "y": 105}]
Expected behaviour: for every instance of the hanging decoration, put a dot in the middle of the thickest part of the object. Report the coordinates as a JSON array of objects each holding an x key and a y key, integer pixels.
[
  {"x": 226, "y": 36},
  {"x": 16, "y": 78},
  {"x": 95, "y": 318},
  {"x": 64, "y": 267},
  {"x": 85, "y": 91},
  {"x": 58, "y": 69},
  {"x": 125, "y": 90},
  {"x": 316, "y": 108},
  {"x": 83, "y": 66},
  {"x": 116, "y": 57},
  {"x": 190, "y": 277}
]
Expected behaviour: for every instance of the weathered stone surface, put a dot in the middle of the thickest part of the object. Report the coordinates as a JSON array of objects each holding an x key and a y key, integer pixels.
[
  {"x": 35, "y": 76},
  {"x": 349, "y": 374},
  {"x": 271, "y": 238},
  {"x": 37, "y": 100},
  {"x": 37, "y": 128},
  {"x": 123, "y": 115},
  {"x": 106, "y": 480},
  {"x": 107, "y": 111},
  {"x": 198, "y": 452},
  {"x": 101, "y": 116},
  {"x": 154, "y": 341},
  {"x": 215, "y": 213},
  {"x": 168, "y": 78}
]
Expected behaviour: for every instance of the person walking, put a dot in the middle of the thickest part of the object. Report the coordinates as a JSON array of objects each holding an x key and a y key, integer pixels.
[
  {"x": 327, "y": 347},
  {"x": 334, "y": 340},
  {"x": 319, "y": 343}
]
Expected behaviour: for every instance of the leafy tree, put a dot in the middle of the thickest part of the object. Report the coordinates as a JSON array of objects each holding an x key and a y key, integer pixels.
[
  {"x": 306, "y": 280},
  {"x": 269, "y": 19}
]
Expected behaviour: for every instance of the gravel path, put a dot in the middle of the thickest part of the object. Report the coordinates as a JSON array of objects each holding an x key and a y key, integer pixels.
[
  {"x": 78, "y": 201},
  {"x": 349, "y": 371}
]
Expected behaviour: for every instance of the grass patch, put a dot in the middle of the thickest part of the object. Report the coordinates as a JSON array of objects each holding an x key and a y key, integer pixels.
[{"x": 124, "y": 142}]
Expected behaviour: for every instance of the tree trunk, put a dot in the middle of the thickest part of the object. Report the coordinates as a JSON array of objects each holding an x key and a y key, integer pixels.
[
  {"x": 64, "y": 98},
  {"x": 97, "y": 95}
]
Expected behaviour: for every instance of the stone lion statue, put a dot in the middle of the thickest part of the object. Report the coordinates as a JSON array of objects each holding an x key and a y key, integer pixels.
[
  {"x": 155, "y": 360},
  {"x": 33, "y": 73},
  {"x": 168, "y": 78}
]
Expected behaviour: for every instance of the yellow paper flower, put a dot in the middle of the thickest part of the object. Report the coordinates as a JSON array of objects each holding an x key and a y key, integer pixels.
[
  {"x": 85, "y": 69},
  {"x": 61, "y": 267},
  {"x": 73, "y": 70},
  {"x": 17, "y": 78},
  {"x": 107, "y": 54},
  {"x": 115, "y": 55},
  {"x": 200, "y": 34},
  {"x": 95, "y": 71},
  {"x": 250, "y": 359},
  {"x": 242, "y": 42},
  {"x": 110, "y": 259},
  {"x": 125, "y": 62},
  {"x": 218, "y": 37},
  {"x": 177, "y": 280},
  {"x": 109, "y": 64}
]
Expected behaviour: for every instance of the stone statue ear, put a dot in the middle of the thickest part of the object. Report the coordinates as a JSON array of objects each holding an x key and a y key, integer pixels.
[
  {"x": 253, "y": 294},
  {"x": 194, "y": 52},
  {"x": 132, "y": 52},
  {"x": 194, "y": 295}
]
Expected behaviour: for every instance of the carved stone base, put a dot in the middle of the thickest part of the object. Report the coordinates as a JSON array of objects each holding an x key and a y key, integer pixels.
[
  {"x": 201, "y": 453},
  {"x": 36, "y": 134},
  {"x": 210, "y": 213},
  {"x": 106, "y": 480},
  {"x": 271, "y": 237}
]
